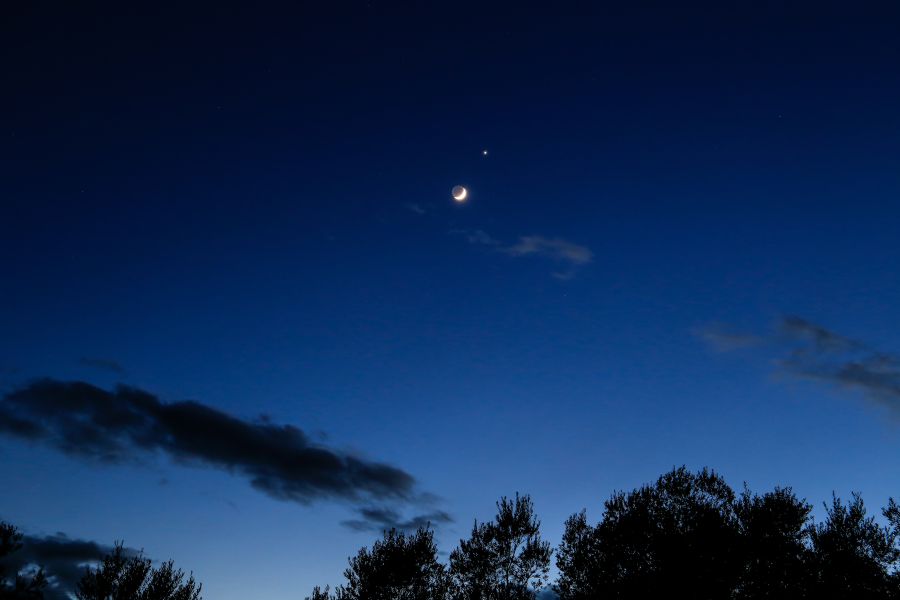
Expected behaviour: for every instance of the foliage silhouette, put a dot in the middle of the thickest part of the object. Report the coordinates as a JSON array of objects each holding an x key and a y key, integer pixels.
[
  {"x": 676, "y": 537},
  {"x": 689, "y": 536},
  {"x": 122, "y": 577},
  {"x": 320, "y": 594},
  {"x": 774, "y": 551},
  {"x": 400, "y": 566},
  {"x": 17, "y": 585},
  {"x": 854, "y": 557},
  {"x": 504, "y": 559}
]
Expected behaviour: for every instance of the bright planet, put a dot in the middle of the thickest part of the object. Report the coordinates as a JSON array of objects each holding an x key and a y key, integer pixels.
[{"x": 459, "y": 193}]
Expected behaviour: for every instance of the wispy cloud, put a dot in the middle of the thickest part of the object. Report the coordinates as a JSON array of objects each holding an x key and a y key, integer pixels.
[
  {"x": 381, "y": 519},
  {"x": 129, "y": 425},
  {"x": 416, "y": 208},
  {"x": 821, "y": 340},
  {"x": 723, "y": 338},
  {"x": 569, "y": 254},
  {"x": 557, "y": 249},
  {"x": 102, "y": 364},
  {"x": 810, "y": 351},
  {"x": 476, "y": 236}
]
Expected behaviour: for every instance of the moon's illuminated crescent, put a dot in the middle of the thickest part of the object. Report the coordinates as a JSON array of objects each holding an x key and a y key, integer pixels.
[{"x": 459, "y": 193}]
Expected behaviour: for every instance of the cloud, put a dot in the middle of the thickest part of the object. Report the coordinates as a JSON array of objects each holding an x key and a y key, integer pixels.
[
  {"x": 103, "y": 364},
  {"x": 822, "y": 340},
  {"x": 571, "y": 255},
  {"x": 554, "y": 248},
  {"x": 63, "y": 559},
  {"x": 128, "y": 425},
  {"x": 416, "y": 208},
  {"x": 810, "y": 351},
  {"x": 476, "y": 236},
  {"x": 380, "y": 519},
  {"x": 722, "y": 338}
]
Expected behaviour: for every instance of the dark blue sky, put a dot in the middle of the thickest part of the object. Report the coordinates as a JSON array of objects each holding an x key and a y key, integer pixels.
[{"x": 250, "y": 209}]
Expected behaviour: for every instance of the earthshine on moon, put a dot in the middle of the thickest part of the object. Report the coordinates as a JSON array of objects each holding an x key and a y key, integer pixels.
[{"x": 459, "y": 193}]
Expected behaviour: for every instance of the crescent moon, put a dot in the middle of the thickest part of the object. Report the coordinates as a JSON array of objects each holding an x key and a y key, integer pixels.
[{"x": 459, "y": 193}]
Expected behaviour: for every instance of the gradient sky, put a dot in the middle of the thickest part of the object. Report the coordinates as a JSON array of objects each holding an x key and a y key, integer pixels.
[{"x": 251, "y": 209}]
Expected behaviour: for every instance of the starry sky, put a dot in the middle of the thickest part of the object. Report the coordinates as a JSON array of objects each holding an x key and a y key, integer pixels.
[{"x": 680, "y": 248}]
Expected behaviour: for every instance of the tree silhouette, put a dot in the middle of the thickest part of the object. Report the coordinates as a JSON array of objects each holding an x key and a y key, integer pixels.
[
  {"x": 504, "y": 559},
  {"x": 121, "y": 577},
  {"x": 16, "y": 585},
  {"x": 398, "y": 567},
  {"x": 774, "y": 537},
  {"x": 678, "y": 537},
  {"x": 579, "y": 560},
  {"x": 854, "y": 557},
  {"x": 688, "y": 536},
  {"x": 320, "y": 594}
]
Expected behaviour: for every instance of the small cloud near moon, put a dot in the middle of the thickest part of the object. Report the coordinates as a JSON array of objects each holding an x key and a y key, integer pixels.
[{"x": 459, "y": 193}]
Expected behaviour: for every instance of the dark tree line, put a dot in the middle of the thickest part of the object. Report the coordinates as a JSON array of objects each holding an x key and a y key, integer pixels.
[{"x": 688, "y": 535}]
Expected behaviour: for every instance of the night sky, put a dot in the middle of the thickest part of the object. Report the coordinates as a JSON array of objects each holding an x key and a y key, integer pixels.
[{"x": 680, "y": 248}]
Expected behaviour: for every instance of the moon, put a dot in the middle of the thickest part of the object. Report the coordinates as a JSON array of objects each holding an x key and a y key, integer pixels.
[{"x": 459, "y": 193}]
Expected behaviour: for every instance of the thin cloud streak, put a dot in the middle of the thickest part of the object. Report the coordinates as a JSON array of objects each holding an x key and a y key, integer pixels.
[
  {"x": 722, "y": 338},
  {"x": 102, "y": 364},
  {"x": 573, "y": 256},
  {"x": 384, "y": 519},
  {"x": 555, "y": 248},
  {"x": 476, "y": 237}
]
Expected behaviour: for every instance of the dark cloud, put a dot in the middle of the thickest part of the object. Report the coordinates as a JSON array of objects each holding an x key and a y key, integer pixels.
[
  {"x": 102, "y": 364},
  {"x": 380, "y": 519},
  {"x": 128, "y": 425},
  {"x": 811, "y": 351},
  {"x": 63, "y": 559}
]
